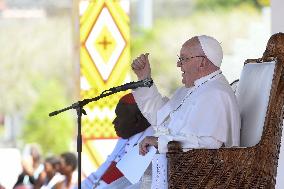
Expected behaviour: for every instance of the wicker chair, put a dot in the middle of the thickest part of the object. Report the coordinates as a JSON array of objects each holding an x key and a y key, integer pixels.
[{"x": 253, "y": 165}]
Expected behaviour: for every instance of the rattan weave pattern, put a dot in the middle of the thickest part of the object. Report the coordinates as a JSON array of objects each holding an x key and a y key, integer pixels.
[{"x": 243, "y": 167}]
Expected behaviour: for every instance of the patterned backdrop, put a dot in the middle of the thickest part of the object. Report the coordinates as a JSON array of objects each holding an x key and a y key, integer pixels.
[{"x": 104, "y": 63}]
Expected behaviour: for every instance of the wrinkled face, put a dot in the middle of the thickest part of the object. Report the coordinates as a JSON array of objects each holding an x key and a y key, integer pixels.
[
  {"x": 129, "y": 120},
  {"x": 191, "y": 58}
]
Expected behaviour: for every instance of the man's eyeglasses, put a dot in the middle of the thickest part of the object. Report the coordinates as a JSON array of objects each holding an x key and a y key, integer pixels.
[{"x": 181, "y": 59}]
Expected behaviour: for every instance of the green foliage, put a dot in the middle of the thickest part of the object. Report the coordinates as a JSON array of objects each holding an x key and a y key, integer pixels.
[
  {"x": 1, "y": 130},
  {"x": 169, "y": 33},
  {"x": 54, "y": 134},
  {"x": 35, "y": 51},
  {"x": 151, "y": 41},
  {"x": 37, "y": 69},
  {"x": 264, "y": 3},
  {"x": 223, "y": 4}
]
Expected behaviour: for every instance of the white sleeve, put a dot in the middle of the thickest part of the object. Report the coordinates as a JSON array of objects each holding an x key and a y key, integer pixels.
[
  {"x": 89, "y": 182},
  {"x": 149, "y": 101},
  {"x": 188, "y": 142}
]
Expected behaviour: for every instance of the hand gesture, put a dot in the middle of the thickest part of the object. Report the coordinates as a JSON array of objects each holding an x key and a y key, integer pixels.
[{"x": 141, "y": 67}]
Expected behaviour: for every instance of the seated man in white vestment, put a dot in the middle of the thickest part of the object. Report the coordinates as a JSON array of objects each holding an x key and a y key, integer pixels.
[
  {"x": 201, "y": 114},
  {"x": 131, "y": 127}
]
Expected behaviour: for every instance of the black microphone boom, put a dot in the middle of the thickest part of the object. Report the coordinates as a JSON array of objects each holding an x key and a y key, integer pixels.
[{"x": 133, "y": 85}]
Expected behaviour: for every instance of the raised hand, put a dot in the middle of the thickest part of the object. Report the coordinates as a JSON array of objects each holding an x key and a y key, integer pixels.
[{"x": 141, "y": 67}]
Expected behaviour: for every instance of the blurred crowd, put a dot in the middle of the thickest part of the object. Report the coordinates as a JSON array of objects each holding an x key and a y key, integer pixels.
[{"x": 54, "y": 172}]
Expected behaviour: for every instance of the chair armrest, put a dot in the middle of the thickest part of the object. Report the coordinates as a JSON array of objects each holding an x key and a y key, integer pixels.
[
  {"x": 224, "y": 155},
  {"x": 174, "y": 147},
  {"x": 216, "y": 168}
]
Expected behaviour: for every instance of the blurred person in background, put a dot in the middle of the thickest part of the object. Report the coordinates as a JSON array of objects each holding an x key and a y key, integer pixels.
[
  {"x": 52, "y": 175},
  {"x": 32, "y": 168},
  {"x": 68, "y": 165},
  {"x": 1, "y": 187},
  {"x": 131, "y": 126}
]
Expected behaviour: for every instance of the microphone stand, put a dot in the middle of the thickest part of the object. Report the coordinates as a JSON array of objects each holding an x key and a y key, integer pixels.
[{"x": 79, "y": 109}]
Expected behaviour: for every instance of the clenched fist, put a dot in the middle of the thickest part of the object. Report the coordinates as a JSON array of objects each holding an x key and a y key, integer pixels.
[{"x": 141, "y": 67}]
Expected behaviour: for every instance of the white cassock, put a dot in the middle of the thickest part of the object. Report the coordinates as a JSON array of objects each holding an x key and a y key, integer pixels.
[
  {"x": 121, "y": 148},
  {"x": 203, "y": 116}
]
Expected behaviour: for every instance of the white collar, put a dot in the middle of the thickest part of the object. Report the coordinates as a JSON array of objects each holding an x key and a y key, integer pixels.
[
  {"x": 164, "y": 112},
  {"x": 206, "y": 78}
]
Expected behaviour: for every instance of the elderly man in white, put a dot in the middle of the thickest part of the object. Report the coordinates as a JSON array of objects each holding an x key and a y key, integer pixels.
[{"x": 202, "y": 114}]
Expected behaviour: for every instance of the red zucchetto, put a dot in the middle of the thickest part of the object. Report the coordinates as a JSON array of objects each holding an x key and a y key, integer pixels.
[{"x": 128, "y": 99}]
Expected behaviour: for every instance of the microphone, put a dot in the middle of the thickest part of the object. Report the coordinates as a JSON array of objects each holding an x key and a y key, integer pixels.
[{"x": 133, "y": 85}]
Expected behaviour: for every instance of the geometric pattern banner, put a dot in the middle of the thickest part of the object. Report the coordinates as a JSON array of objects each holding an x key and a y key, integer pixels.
[{"x": 104, "y": 63}]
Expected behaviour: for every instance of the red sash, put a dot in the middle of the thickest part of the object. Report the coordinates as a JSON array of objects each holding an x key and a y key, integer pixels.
[{"x": 112, "y": 173}]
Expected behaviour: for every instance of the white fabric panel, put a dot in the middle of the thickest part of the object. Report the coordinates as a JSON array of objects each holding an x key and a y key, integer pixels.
[
  {"x": 159, "y": 172},
  {"x": 253, "y": 95}
]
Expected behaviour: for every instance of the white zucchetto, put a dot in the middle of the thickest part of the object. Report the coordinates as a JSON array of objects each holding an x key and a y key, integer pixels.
[{"x": 212, "y": 49}]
